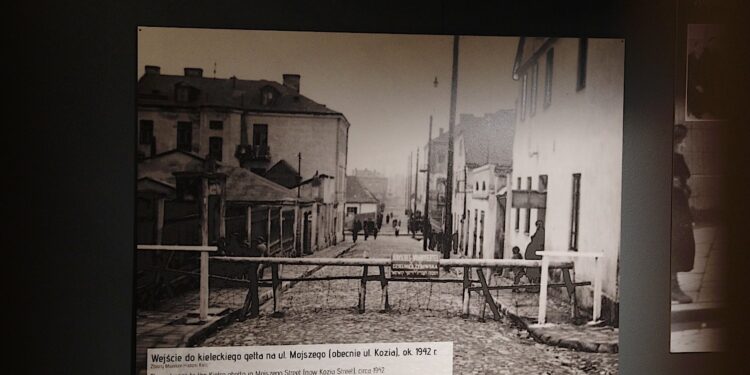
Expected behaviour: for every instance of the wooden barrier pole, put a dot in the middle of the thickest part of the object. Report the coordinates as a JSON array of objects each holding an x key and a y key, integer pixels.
[
  {"x": 252, "y": 298},
  {"x": 384, "y": 290},
  {"x": 467, "y": 294},
  {"x": 276, "y": 292},
  {"x": 362, "y": 291},
  {"x": 543, "y": 291},
  {"x": 487, "y": 295}
]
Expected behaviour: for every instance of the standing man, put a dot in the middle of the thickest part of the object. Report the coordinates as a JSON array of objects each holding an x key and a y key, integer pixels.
[
  {"x": 537, "y": 244},
  {"x": 356, "y": 227},
  {"x": 683, "y": 238}
]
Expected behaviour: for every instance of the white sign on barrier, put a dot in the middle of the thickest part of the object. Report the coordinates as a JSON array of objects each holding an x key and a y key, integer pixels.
[{"x": 326, "y": 359}]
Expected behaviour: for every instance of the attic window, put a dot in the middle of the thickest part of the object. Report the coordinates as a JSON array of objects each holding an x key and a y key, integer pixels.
[
  {"x": 183, "y": 95},
  {"x": 267, "y": 96}
]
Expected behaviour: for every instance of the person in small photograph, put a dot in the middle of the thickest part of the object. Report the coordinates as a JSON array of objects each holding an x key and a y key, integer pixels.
[
  {"x": 396, "y": 226},
  {"x": 518, "y": 272},
  {"x": 683, "y": 240}
]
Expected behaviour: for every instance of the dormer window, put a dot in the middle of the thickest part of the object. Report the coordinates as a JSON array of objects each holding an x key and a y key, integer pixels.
[
  {"x": 183, "y": 94},
  {"x": 268, "y": 95}
]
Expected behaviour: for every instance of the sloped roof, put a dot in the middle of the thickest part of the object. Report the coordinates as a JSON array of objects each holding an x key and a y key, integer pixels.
[
  {"x": 159, "y": 90},
  {"x": 357, "y": 193},
  {"x": 283, "y": 174},
  {"x": 245, "y": 186},
  {"x": 161, "y": 166}
]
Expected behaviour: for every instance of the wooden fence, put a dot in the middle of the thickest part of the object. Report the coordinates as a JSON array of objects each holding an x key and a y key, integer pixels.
[{"x": 251, "y": 305}]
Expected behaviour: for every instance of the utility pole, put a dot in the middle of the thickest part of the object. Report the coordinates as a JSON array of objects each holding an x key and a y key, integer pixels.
[
  {"x": 416, "y": 181},
  {"x": 408, "y": 181},
  {"x": 427, "y": 224},
  {"x": 299, "y": 171},
  {"x": 448, "y": 229}
]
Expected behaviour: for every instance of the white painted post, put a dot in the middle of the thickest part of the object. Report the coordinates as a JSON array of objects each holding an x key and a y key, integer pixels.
[
  {"x": 543, "y": 291},
  {"x": 597, "y": 290}
]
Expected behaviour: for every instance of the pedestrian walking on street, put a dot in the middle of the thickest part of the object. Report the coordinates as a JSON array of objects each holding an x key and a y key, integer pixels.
[
  {"x": 387, "y": 218},
  {"x": 396, "y": 226},
  {"x": 518, "y": 272},
  {"x": 379, "y": 220},
  {"x": 375, "y": 232},
  {"x": 683, "y": 240},
  {"x": 368, "y": 228},
  {"x": 356, "y": 227}
]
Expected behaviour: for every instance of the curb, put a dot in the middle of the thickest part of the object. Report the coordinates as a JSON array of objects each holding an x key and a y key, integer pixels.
[
  {"x": 542, "y": 337},
  {"x": 210, "y": 328}
]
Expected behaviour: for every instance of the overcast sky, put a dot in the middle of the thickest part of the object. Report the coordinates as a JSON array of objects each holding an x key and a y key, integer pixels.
[{"x": 382, "y": 83}]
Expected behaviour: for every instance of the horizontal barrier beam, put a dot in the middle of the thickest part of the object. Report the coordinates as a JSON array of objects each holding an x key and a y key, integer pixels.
[
  {"x": 177, "y": 248},
  {"x": 388, "y": 262},
  {"x": 570, "y": 254}
]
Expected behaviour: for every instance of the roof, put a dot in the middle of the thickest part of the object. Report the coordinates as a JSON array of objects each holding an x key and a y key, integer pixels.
[
  {"x": 529, "y": 49},
  {"x": 283, "y": 174},
  {"x": 161, "y": 167},
  {"x": 245, "y": 186},
  {"x": 490, "y": 141},
  {"x": 357, "y": 193},
  {"x": 231, "y": 93}
]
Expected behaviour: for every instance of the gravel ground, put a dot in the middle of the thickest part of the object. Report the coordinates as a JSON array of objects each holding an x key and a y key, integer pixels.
[{"x": 322, "y": 312}]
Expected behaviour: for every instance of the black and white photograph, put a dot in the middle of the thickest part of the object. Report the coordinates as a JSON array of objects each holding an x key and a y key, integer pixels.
[
  {"x": 699, "y": 246},
  {"x": 344, "y": 188}
]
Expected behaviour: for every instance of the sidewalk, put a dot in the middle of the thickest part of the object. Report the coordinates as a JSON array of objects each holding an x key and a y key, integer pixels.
[
  {"x": 695, "y": 326},
  {"x": 176, "y": 323}
]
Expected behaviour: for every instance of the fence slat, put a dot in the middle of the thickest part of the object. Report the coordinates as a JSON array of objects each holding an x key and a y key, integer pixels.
[
  {"x": 487, "y": 295},
  {"x": 467, "y": 295},
  {"x": 362, "y": 291},
  {"x": 384, "y": 290}
]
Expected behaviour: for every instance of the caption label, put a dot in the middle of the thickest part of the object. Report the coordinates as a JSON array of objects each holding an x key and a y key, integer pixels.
[{"x": 329, "y": 359}]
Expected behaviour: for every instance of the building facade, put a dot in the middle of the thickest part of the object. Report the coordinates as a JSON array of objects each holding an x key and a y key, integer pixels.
[
  {"x": 254, "y": 124},
  {"x": 567, "y": 153}
]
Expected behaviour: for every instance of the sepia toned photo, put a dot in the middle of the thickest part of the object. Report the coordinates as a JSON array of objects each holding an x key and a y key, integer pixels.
[{"x": 309, "y": 188}]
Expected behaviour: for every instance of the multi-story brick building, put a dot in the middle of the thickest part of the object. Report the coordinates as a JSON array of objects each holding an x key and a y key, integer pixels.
[{"x": 253, "y": 124}]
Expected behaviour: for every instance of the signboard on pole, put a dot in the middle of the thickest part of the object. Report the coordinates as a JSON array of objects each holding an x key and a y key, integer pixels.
[{"x": 415, "y": 265}]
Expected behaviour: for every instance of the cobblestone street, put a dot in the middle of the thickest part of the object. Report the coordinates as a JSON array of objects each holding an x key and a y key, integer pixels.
[{"x": 321, "y": 312}]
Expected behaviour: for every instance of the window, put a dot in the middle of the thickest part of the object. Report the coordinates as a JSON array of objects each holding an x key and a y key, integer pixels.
[
  {"x": 474, "y": 244},
  {"x": 184, "y": 136},
  {"x": 216, "y": 125},
  {"x": 527, "y": 223},
  {"x": 146, "y": 132},
  {"x": 518, "y": 210},
  {"x": 484, "y": 187},
  {"x": 183, "y": 95},
  {"x": 532, "y": 92},
  {"x": 574, "y": 211},
  {"x": 523, "y": 96},
  {"x": 477, "y": 186},
  {"x": 548, "y": 78},
  {"x": 583, "y": 51},
  {"x": 260, "y": 134},
  {"x": 481, "y": 234},
  {"x": 215, "y": 148},
  {"x": 351, "y": 210},
  {"x": 541, "y": 213}
]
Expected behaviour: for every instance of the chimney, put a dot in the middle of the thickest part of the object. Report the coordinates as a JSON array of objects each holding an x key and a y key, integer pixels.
[
  {"x": 153, "y": 69},
  {"x": 193, "y": 72},
  {"x": 292, "y": 81}
]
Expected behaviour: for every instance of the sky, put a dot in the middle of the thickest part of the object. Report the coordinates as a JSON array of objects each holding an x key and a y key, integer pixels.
[{"x": 382, "y": 83}]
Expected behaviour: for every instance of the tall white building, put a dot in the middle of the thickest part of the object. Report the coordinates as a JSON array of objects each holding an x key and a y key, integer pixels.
[{"x": 567, "y": 153}]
